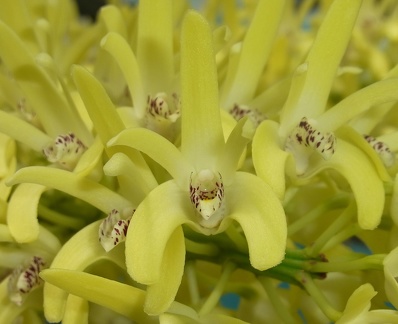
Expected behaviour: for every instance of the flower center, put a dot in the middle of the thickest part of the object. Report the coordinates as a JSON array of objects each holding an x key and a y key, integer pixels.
[
  {"x": 66, "y": 150},
  {"x": 162, "y": 112},
  {"x": 240, "y": 111},
  {"x": 305, "y": 139},
  {"x": 25, "y": 279},
  {"x": 207, "y": 196},
  {"x": 113, "y": 230},
  {"x": 382, "y": 150}
]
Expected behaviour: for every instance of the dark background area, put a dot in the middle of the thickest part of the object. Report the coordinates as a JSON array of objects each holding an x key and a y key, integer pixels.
[{"x": 90, "y": 7}]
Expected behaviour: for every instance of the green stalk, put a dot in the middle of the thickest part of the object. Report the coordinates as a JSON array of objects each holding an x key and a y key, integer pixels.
[
  {"x": 276, "y": 301},
  {"x": 218, "y": 290}
]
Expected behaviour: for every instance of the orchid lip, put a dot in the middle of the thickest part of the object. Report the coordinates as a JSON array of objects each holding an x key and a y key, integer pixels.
[
  {"x": 25, "y": 279},
  {"x": 113, "y": 230},
  {"x": 66, "y": 150},
  {"x": 305, "y": 139},
  {"x": 207, "y": 195},
  {"x": 382, "y": 150}
]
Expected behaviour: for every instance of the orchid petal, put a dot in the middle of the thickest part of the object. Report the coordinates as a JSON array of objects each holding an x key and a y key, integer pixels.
[
  {"x": 79, "y": 252},
  {"x": 161, "y": 294},
  {"x": 129, "y": 176},
  {"x": 357, "y": 103},
  {"x": 22, "y": 212},
  {"x": 362, "y": 176},
  {"x": 255, "y": 51},
  {"x": 121, "y": 51},
  {"x": 119, "y": 297},
  {"x": 10, "y": 311},
  {"x": 8, "y": 165},
  {"x": 98, "y": 104},
  {"x": 92, "y": 192},
  {"x": 5, "y": 234},
  {"x": 16, "y": 15},
  {"x": 259, "y": 212},
  {"x": 390, "y": 275},
  {"x": 157, "y": 148},
  {"x": 201, "y": 131},
  {"x": 102, "y": 111},
  {"x": 325, "y": 55},
  {"x": 155, "y": 44},
  {"x": 350, "y": 135},
  {"x": 23, "y": 132},
  {"x": 76, "y": 310},
  {"x": 358, "y": 303},
  {"x": 272, "y": 99},
  {"x": 269, "y": 158},
  {"x": 235, "y": 146},
  {"x": 39, "y": 88},
  {"x": 89, "y": 159},
  {"x": 162, "y": 211},
  {"x": 394, "y": 201},
  {"x": 80, "y": 47},
  {"x": 113, "y": 20}
]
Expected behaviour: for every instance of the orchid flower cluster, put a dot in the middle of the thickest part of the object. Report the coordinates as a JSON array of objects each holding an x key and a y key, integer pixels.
[{"x": 233, "y": 162}]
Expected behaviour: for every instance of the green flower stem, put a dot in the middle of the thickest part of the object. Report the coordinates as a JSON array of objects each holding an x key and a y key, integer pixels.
[
  {"x": 319, "y": 298},
  {"x": 201, "y": 248},
  {"x": 237, "y": 238},
  {"x": 343, "y": 235},
  {"x": 336, "y": 202},
  {"x": 276, "y": 301},
  {"x": 370, "y": 262},
  {"x": 192, "y": 282},
  {"x": 59, "y": 218},
  {"x": 334, "y": 228},
  {"x": 215, "y": 295}
]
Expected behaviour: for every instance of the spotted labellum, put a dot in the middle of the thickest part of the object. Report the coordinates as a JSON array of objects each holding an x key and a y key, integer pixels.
[{"x": 25, "y": 279}]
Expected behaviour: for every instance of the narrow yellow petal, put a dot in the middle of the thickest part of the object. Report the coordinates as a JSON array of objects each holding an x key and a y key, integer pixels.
[
  {"x": 269, "y": 158},
  {"x": 82, "y": 250},
  {"x": 155, "y": 220},
  {"x": 76, "y": 310},
  {"x": 90, "y": 159},
  {"x": 22, "y": 212},
  {"x": 16, "y": 15},
  {"x": 323, "y": 60},
  {"x": 131, "y": 181},
  {"x": 119, "y": 297},
  {"x": 23, "y": 131},
  {"x": 254, "y": 53},
  {"x": 155, "y": 44},
  {"x": 361, "y": 174},
  {"x": 350, "y": 135},
  {"x": 262, "y": 219},
  {"x": 157, "y": 148},
  {"x": 113, "y": 20},
  {"x": 360, "y": 101},
  {"x": 390, "y": 273},
  {"x": 161, "y": 294},
  {"x": 201, "y": 132},
  {"x": 98, "y": 104},
  {"x": 90, "y": 191},
  {"x": 39, "y": 88},
  {"x": 123, "y": 55}
]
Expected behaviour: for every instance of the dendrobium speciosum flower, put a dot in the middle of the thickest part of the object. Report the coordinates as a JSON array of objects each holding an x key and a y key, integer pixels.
[
  {"x": 309, "y": 139},
  {"x": 206, "y": 192},
  {"x": 234, "y": 164}
]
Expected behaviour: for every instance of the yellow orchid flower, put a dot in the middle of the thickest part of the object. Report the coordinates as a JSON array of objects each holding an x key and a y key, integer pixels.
[
  {"x": 303, "y": 143},
  {"x": 206, "y": 192},
  {"x": 358, "y": 308}
]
